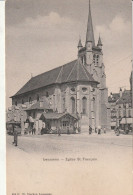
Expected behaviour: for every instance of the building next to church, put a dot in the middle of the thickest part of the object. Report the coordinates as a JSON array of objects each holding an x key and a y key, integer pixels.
[
  {"x": 121, "y": 109},
  {"x": 131, "y": 88},
  {"x": 77, "y": 88}
]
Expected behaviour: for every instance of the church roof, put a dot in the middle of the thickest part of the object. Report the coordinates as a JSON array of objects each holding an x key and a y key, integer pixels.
[
  {"x": 38, "y": 106},
  {"x": 70, "y": 72}
]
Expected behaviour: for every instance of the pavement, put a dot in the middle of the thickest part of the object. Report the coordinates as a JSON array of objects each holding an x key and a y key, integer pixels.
[{"x": 71, "y": 164}]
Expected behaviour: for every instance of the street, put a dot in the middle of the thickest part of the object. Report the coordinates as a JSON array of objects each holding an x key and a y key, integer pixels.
[{"x": 83, "y": 164}]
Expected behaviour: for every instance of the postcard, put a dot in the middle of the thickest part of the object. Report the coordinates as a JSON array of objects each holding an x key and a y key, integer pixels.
[{"x": 69, "y": 97}]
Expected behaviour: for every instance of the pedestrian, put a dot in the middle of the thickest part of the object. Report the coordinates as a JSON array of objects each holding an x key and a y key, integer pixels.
[
  {"x": 90, "y": 129},
  {"x": 15, "y": 136},
  {"x": 68, "y": 132},
  {"x": 104, "y": 130},
  {"x": 32, "y": 130},
  {"x": 117, "y": 131},
  {"x": 59, "y": 132},
  {"x": 99, "y": 130}
]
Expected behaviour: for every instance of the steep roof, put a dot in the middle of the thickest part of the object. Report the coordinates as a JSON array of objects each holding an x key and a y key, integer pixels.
[
  {"x": 54, "y": 115},
  {"x": 99, "y": 42},
  {"x": 73, "y": 71},
  {"x": 114, "y": 97},
  {"x": 126, "y": 97},
  {"x": 38, "y": 106}
]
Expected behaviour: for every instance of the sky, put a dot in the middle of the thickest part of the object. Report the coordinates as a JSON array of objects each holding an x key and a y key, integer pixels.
[{"x": 43, "y": 34}]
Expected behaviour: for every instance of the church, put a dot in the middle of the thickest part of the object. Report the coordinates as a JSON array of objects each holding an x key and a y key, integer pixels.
[{"x": 77, "y": 88}]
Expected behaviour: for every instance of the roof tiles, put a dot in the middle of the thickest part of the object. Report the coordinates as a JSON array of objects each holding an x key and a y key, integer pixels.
[{"x": 73, "y": 71}]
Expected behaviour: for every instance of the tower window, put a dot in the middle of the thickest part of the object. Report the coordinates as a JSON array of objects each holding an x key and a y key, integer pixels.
[
  {"x": 97, "y": 59},
  {"x": 72, "y": 89},
  {"x": 84, "y": 89},
  {"x": 37, "y": 97},
  {"x": 47, "y": 95},
  {"x": 30, "y": 100}
]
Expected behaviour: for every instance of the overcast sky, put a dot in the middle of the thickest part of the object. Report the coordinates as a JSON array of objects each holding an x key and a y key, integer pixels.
[{"x": 43, "y": 34}]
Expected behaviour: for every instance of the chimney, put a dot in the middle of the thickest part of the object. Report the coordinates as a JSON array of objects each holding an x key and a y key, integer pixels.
[
  {"x": 111, "y": 95},
  {"x": 120, "y": 92}
]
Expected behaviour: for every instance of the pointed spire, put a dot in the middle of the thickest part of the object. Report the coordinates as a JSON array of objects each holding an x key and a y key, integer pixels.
[
  {"x": 99, "y": 41},
  {"x": 90, "y": 34},
  {"x": 80, "y": 43}
]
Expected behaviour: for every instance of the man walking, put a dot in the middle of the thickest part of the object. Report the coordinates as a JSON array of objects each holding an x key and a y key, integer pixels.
[
  {"x": 15, "y": 136},
  {"x": 90, "y": 130}
]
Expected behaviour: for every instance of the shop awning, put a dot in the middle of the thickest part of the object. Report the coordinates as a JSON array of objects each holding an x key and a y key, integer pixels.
[
  {"x": 126, "y": 121},
  {"x": 113, "y": 124}
]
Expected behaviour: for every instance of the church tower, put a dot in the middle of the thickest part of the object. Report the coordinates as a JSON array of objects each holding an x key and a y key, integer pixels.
[
  {"x": 92, "y": 58},
  {"x": 90, "y": 41}
]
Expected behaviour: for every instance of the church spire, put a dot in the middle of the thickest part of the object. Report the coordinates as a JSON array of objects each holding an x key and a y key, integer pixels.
[
  {"x": 99, "y": 41},
  {"x": 90, "y": 34},
  {"x": 79, "y": 44}
]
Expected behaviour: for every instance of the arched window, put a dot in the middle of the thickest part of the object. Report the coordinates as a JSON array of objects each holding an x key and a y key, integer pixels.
[
  {"x": 30, "y": 100},
  {"x": 129, "y": 113},
  {"x": 84, "y": 105},
  {"x": 84, "y": 59},
  {"x": 73, "y": 104},
  {"x": 97, "y": 59},
  {"x": 47, "y": 94},
  {"x": 94, "y": 57},
  {"x": 22, "y": 101},
  {"x": 37, "y": 97},
  {"x": 63, "y": 104}
]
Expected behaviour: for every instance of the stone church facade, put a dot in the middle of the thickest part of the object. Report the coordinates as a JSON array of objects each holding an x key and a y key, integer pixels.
[{"x": 78, "y": 87}]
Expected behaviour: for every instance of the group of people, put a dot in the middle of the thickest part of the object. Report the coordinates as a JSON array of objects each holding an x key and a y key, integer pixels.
[{"x": 98, "y": 130}]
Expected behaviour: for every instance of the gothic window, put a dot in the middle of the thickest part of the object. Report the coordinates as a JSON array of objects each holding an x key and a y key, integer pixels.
[
  {"x": 63, "y": 104},
  {"x": 81, "y": 59},
  {"x": 30, "y": 100},
  {"x": 84, "y": 105},
  {"x": 84, "y": 89},
  {"x": 129, "y": 113},
  {"x": 73, "y": 104},
  {"x": 72, "y": 89},
  {"x": 94, "y": 57},
  {"x": 37, "y": 97},
  {"x": 34, "y": 114},
  {"x": 47, "y": 95},
  {"x": 97, "y": 59},
  {"x": 84, "y": 59},
  {"x": 124, "y": 113}
]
